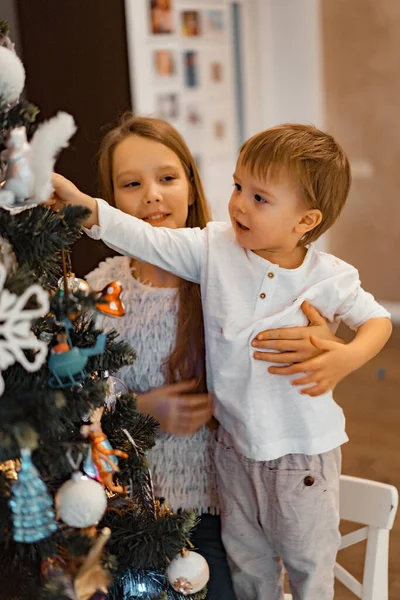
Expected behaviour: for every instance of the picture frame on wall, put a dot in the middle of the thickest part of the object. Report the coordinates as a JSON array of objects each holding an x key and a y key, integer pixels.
[
  {"x": 164, "y": 64},
  {"x": 219, "y": 129},
  {"x": 193, "y": 115},
  {"x": 191, "y": 68},
  {"x": 214, "y": 22},
  {"x": 216, "y": 71},
  {"x": 190, "y": 23},
  {"x": 193, "y": 123},
  {"x": 161, "y": 17},
  {"x": 167, "y": 106}
]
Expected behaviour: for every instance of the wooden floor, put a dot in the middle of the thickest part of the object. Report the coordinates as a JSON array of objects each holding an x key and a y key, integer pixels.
[{"x": 372, "y": 409}]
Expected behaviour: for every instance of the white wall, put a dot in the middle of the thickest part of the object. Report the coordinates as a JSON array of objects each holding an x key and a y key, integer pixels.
[
  {"x": 290, "y": 61},
  {"x": 290, "y": 67}
]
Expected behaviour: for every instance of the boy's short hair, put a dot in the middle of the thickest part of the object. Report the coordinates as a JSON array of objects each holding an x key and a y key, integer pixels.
[{"x": 313, "y": 157}]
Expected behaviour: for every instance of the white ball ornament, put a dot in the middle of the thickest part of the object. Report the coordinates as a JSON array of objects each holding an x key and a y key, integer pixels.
[
  {"x": 81, "y": 501},
  {"x": 188, "y": 573},
  {"x": 12, "y": 76}
]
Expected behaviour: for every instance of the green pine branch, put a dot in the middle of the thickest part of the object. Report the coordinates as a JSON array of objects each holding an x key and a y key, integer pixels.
[
  {"x": 4, "y": 28},
  {"x": 146, "y": 544},
  {"x": 39, "y": 234}
]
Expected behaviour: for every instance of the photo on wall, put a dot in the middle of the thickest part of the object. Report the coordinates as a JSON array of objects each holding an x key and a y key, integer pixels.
[
  {"x": 190, "y": 23},
  {"x": 167, "y": 106},
  {"x": 191, "y": 68},
  {"x": 161, "y": 17},
  {"x": 214, "y": 21},
  {"x": 219, "y": 128},
  {"x": 193, "y": 115},
  {"x": 164, "y": 64},
  {"x": 216, "y": 71}
]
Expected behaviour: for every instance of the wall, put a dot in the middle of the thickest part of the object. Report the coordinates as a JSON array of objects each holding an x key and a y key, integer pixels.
[
  {"x": 8, "y": 11},
  {"x": 75, "y": 57},
  {"x": 289, "y": 63},
  {"x": 362, "y": 103},
  {"x": 289, "y": 48}
]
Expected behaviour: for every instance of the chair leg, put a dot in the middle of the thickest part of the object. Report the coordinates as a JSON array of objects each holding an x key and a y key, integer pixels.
[{"x": 376, "y": 582}]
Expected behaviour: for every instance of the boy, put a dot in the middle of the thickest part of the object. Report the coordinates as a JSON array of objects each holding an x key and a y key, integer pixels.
[{"x": 278, "y": 452}]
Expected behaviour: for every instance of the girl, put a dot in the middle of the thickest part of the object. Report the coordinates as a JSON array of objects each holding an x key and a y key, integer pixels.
[{"x": 146, "y": 170}]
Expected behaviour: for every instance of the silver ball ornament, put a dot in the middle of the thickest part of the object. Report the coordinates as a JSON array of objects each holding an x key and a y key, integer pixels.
[{"x": 75, "y": 284}]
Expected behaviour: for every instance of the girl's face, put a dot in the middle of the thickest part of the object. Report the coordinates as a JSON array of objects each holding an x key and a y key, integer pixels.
[{"x": 150, "y": 182}]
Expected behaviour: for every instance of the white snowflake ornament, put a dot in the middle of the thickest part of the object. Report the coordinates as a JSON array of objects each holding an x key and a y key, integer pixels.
[{"x": 15, "y": 327}]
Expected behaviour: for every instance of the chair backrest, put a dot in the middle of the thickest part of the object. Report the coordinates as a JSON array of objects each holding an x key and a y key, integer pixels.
[
  {"x": 373, "y": 505},
  {"x": 368, "y": 502}
]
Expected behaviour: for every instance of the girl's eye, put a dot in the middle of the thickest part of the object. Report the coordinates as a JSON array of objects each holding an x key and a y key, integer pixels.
[
  {"x": 237, "y": 187},
  {"x": 132, "y": 184},
  {"x": 168, "y": 178},
  {"x": 259, "y": 200}
]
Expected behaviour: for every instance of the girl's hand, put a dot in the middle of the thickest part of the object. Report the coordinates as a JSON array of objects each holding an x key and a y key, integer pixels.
[
  {"x": 324, "y": 371},
  {"x": 178, "y": 411},
  {"x": 65, "y": 192},
  {"x": 293, "y": 344}
]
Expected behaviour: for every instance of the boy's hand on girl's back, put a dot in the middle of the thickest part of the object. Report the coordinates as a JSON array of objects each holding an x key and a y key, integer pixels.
[{"x": 178, "y": 410}]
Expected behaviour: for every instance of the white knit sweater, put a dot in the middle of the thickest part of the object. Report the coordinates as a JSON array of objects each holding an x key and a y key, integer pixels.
[{"x": 182, "y": 467}]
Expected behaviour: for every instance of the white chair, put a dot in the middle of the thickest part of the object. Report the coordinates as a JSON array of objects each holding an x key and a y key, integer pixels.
[{"x": 373, "y": 505}]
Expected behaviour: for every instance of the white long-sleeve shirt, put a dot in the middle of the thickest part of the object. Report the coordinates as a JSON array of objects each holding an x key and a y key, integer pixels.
[{"x": 244, "y": 294}]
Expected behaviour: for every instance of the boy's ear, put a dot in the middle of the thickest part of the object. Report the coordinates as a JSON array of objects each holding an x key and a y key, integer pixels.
[{"x": 310, "y": 220}]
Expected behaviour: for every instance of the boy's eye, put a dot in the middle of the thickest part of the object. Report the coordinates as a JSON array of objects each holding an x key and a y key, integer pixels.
[
  {"x": 259, "y": 199},
  {"x": 237, "y": 186}
]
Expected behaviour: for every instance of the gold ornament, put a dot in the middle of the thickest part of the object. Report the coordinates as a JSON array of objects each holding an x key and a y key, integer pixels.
[
  {"x": 183, "y": 586},
  {"x": 9, "y": 468}
]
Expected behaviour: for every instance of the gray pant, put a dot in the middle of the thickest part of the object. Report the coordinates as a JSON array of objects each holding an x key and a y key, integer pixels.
[{"x": 279, "y": 513}]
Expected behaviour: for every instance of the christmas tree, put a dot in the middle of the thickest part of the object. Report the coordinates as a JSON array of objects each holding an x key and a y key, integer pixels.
[{"x": 78, "y": 515}]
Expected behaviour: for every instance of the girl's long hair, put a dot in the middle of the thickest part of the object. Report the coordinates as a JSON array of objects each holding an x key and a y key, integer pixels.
[{"x": 187, "y": 360}]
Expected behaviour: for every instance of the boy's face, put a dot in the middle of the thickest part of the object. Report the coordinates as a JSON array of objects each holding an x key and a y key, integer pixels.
[{"x": 268, "y": 215}]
